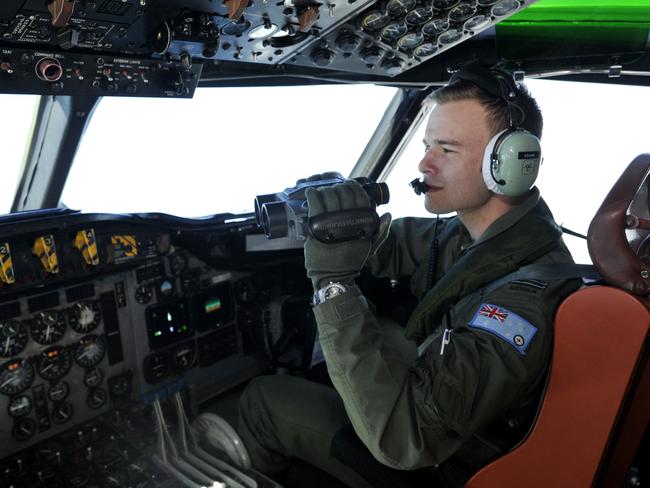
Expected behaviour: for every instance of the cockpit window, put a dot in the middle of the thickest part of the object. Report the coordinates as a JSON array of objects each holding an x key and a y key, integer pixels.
[
  {"x": 15, "y": 128},
  {"x": 591, "y": 133},
  {"x": 215, "y": 152}
]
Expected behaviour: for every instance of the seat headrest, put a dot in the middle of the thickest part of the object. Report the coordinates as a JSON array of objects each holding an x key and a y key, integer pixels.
[{"x": 607, "y": 241}]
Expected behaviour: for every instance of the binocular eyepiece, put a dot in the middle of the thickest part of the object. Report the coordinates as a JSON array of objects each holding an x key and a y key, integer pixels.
[{"x": 285, "y": 214}]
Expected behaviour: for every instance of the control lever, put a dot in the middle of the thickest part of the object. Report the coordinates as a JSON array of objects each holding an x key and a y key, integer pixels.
[
  {"x": 201, "y": 459},
  {"x": 170, "y": 462}
]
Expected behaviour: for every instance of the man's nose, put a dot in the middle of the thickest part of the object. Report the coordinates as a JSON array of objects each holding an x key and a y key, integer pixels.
[{"x": 429, "y": 162}]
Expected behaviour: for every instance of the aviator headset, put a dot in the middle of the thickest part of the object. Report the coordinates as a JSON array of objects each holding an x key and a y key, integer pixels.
[{"x": 512, "y": 157}]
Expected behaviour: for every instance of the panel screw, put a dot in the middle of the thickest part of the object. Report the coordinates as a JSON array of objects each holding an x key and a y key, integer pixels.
[{"x": 645, "y": 274}]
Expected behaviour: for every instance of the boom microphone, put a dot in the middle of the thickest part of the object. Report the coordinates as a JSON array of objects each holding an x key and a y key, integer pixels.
[{"x": 419, "y": 186}]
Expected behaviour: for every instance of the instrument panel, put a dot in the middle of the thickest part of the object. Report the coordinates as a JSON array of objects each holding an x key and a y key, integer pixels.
[{"x": 98, "y": 314}]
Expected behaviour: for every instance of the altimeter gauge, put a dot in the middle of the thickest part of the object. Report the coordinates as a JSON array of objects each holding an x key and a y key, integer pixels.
[{"x": 13, "y": 338}]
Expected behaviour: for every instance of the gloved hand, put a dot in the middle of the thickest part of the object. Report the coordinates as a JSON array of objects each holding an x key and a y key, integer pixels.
[{"x": 341, "y": 261}]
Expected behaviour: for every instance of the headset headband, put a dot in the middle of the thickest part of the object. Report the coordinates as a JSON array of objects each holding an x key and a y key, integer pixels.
[{"x": 494, "y": 81}]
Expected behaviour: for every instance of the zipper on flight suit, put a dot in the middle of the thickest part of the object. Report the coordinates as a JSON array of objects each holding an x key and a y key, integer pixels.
[{"x": 446, "y": 337}]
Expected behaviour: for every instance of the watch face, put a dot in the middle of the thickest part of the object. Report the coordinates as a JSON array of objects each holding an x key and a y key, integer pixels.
[{"x": 332, "y": 290}]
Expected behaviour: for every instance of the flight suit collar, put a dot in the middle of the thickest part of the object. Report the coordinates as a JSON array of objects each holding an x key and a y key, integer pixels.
[{"x": 504, "y": 222}]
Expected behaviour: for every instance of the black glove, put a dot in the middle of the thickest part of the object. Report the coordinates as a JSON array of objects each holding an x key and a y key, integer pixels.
[{"x": 340, "y": 261}]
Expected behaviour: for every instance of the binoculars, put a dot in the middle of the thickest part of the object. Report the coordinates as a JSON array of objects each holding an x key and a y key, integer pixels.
[{"x": 285, "y": 214}]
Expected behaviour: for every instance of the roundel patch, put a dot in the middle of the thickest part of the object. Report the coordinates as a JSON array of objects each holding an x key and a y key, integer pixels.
[{"x": 506, "y": 325}]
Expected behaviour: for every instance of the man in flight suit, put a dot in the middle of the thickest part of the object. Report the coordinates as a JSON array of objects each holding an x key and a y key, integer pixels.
[{"x": 484, "y": 351}]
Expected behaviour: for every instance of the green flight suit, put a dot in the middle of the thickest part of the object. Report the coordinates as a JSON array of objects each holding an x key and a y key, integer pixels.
[{"x": 421, "y": 414}]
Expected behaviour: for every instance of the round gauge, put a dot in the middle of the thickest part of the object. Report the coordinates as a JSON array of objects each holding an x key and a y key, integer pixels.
[
  {"x": 155, "y": 367},
  {"x": 445, "y": 4},
  {"x": 462, "y": 12},
  {"x": 263, "y": 31},
  {"x": 400, "y": 7},
  {"x": 410, "y": 41},
  {"x": 143, "y": 294},
  {"x": 19, "y": 406},
  {"x": 476, "y": 23},
  {"x": 48, "y": 327},
  {"x": 435, "y": 27},
  {"x": 235, "y": 28},
  {"x": 23, "y": 429},
  {"x": 62, "y": 412},
  {"x": 393, "y": 31},
  {"x": 119, "y": 386},
  {"x": 183, "y": 357},
  {"x": 15, "y": 376},
  {"x": 58, "y": 392},
  {"x": 505, "y": 7},
  {"x": 450, "y": 36},
  {"x": 177, "y": 262},
  {"x": 418, "y": 16},
  {"x": 93, "y": 378},
  {"x": 53, "y": 363},
  {"x": 426, "y": 49},
  {"x": 13, "y": 338},
  {"x": 84, "y": 316},
  {"x": 89, "y": 351},
  {"x": 375, "y": 20},
  {"x": 96, "y": 398}
]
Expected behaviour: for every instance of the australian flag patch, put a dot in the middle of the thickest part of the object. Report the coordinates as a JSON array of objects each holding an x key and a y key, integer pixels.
[{"x": 507, "y": 325}]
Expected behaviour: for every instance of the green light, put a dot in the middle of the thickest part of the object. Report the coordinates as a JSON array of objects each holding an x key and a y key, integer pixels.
[
  {"x": 158, "y": 333},
  {"x": 212, "y": 305}
]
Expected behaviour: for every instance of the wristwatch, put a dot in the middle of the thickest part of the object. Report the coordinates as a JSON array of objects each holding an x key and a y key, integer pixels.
[{"x": 329, "y": 291}]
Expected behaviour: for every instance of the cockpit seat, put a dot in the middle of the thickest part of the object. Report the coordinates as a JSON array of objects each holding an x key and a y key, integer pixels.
[{"x": 596, "y": 407}]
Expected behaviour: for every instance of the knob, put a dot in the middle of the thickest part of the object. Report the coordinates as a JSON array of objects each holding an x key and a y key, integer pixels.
[
  {"x": 322, "y": 57},
  {"x": 348, "y": 42},
  {"x": 372, "y": 55}
]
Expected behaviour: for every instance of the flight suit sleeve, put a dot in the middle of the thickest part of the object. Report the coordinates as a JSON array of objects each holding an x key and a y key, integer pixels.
[
  {"x": 405, "y": 247},
  {"x": 412, "y": 416}
]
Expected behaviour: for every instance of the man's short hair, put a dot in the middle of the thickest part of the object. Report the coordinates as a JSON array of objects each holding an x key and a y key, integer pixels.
[{"x": 499, "y": 113}]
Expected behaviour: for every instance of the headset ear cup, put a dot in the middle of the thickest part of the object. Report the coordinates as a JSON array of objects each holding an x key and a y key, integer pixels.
[
  {"x": 491, "y": 151},
  {"x": 519, "y": 155}
]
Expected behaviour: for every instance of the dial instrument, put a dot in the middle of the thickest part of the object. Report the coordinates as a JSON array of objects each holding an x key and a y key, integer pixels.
[
  {"x": 19, "y": 406},
  {"x": 48, "y": 327},
  {"x": 53, "y": 363},
  {"x": 462, "y": 12},
  {"x": 435, "y": 27},
  {"x": 96, "y": 398},
  {"x": 375, "y": 20},
  {"x": 418, "y": 16},
  {"x": 143, "y": 294},
  {"x": 410, "y": 41},
  {"x": 155, "y": 367},
  {"x": 84, "y": 316},
  {"x": 23, "y": 429},
  {"x": 93, "y": 378},
  {"x": 476, "y": 23},
  {"x": 451, "y": 36},
  {"x": 89, "y": 351},
  {"x": 15, "y": 376},
  {"x": 58, "y": 392},
  {"x": 400, "y": 7},
  {"x": 505, "y": 7},
  {"x": 62, "y": 412},
  {"x": 393, "y": 31},
  {"x": 426, "y": 49},
  {"x": 445, "y": 4},
  {"x": 13, "y": 338}
]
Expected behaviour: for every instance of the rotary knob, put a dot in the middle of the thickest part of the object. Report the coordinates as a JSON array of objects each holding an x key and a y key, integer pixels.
[
  {"x": 348, "y": 42},
  {"x": 322, "y": 57},
  {"x": 372, "y": 55}
]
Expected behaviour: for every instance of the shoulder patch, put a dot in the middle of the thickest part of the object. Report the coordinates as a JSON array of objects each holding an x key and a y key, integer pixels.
[{"x": 506, "y": 325}]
